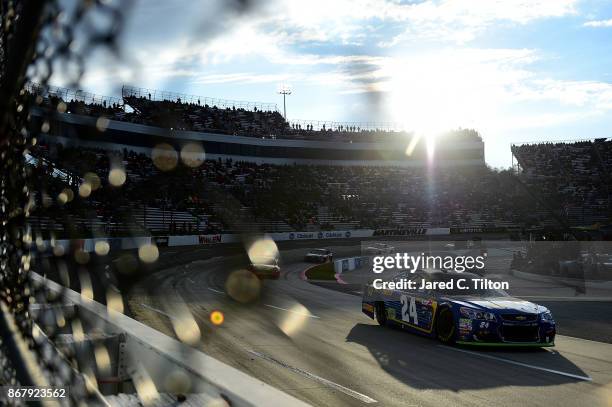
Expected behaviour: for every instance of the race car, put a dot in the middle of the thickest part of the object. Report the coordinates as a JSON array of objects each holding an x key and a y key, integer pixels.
[
  {"x": 378, "y": 249},
  {"x": 319, "y": 256},
  {"x": 467, "y": 316},
  {"x": 265, "y": 267}
]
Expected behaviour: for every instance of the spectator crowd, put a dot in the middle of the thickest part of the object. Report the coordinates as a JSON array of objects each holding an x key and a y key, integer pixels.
[
  {"x": 195, "y": 114},
  {"x": 227, "y": 195},
  {"x": 575, "y": 176}
]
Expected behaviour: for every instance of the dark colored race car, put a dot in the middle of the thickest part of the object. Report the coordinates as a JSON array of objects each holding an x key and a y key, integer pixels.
[
  {"x": 469, "y": 316},
  {"x": 266, "y": 267},
  {"x": 319, "y": 256}
]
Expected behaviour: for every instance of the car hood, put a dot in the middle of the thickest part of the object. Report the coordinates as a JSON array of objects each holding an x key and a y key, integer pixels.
[{"x": 500, "y": 304}]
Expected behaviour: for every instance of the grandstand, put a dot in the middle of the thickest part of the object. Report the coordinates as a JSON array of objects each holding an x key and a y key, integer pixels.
[
  {"x": 237, "y": 133},
  {"x": 261, "y": 175},
  {"x": 575, "y": 174}
]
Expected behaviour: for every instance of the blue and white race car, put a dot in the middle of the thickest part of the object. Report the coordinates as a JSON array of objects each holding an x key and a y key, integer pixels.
[{"x": 468, "y": 316}]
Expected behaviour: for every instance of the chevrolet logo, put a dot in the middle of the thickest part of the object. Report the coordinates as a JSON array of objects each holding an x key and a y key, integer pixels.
[{"x": 520, "y": 318}]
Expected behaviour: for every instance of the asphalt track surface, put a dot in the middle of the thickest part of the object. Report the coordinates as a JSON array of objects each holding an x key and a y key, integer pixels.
[{"x": 314, "y": 343}]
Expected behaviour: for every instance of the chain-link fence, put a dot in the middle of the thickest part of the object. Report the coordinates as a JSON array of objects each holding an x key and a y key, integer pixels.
[{"x": 39, "y": 41}]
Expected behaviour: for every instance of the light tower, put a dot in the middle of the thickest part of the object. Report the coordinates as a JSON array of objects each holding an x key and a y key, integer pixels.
[{"x": 284, "y": 90}]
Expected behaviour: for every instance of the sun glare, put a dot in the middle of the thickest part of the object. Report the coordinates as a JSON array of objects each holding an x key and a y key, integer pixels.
[
  {"x": 432, "y": 94},
  {"x": 430, "y": 145}
]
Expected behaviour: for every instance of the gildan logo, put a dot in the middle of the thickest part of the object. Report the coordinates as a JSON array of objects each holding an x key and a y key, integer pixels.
[
  {"x": 320, "y": 235},
  {"x": 347, "y": 234},
  {"x": 291, "y": 236}
]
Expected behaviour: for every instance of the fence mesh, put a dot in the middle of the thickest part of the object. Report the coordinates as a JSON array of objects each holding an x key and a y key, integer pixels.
[{"x": 40, "y": 40}]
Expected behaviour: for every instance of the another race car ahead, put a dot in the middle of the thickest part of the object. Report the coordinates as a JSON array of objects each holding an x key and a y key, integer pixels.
[
  {"x": 265, "y": 267},
  {"x": 464, "y": 316},
  {"x": 319, "y": 256},
  {"x": 378, "y": 249}
]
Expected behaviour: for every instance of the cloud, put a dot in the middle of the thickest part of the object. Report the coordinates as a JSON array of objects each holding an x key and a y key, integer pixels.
[
  {"x": 483, "y": 88},
  {"x": 197, "y": 38},
  {"x": 266, "y": 26},
  {"x": 268, "y": 40},
  {"x": 241, "y": 78},
  {"x": 598, "y": 23},
  {"x": 461, "y": 21},
  {"x": 473, "y": 14}
]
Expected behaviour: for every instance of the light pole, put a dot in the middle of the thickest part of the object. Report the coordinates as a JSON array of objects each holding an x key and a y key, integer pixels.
[{"x": 284, "y": 90}]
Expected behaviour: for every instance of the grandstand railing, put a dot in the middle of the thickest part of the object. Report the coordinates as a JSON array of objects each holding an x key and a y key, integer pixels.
[
  {"x": 161, "y": 95},
  {"x": 348, "y": 126},
  {"x": 561, "y": 141},
  {"x": 67, "y": 177},
  {"x": 67, "y": 94}
]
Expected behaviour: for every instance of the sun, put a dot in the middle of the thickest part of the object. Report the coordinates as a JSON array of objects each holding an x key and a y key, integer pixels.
[{"x": 434, "y": 93}]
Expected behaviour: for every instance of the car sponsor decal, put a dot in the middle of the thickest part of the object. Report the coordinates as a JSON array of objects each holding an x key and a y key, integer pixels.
[{"x": 465, "y": 324}]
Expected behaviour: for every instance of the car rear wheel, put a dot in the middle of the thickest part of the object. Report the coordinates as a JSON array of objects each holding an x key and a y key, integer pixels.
[
  {"x": 380, "y": 313},
  {"x": 445, "y": 326}
]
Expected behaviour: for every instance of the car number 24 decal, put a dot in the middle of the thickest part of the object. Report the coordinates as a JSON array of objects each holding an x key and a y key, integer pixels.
[
  {"x": 409, "y": 310},
  {"x": 418, "y": 312}
]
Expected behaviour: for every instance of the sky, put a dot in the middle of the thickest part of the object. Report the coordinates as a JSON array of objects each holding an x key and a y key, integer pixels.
[{"x": 514, "y": 70}]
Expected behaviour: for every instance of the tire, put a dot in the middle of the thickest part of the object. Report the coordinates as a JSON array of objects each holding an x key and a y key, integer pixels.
[
  {"x": 380, "y": 313},
  {"x": 445, "y": 326}
]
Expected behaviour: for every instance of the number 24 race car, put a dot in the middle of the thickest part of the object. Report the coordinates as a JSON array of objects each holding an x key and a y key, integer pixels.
[{"x": 467, "y": 316}]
